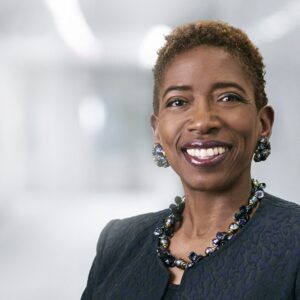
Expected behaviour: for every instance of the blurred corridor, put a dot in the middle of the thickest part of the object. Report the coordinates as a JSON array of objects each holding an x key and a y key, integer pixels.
[{"x": 75, "y": 138}]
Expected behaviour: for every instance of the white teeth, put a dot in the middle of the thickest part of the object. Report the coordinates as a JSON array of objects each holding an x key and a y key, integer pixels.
[
  {"x": 210, "y": 151},
  {"x": 203, "y": 152},
  {"x": 206, "y": 153},
  {"x": 221, "y": 150},
  {"x": 192, "y": 152}
]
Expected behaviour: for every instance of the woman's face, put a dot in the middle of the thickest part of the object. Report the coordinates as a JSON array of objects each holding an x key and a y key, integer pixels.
[{"x": 207, "y": 122}]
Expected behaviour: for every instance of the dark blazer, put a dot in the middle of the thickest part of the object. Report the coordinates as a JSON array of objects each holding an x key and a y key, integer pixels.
[{"x": 261, "y": 261}]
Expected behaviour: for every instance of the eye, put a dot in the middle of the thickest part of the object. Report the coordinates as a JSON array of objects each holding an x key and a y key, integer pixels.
[
  {"x": 175, "y": 102},
  {"x": 231, "y": 97}
]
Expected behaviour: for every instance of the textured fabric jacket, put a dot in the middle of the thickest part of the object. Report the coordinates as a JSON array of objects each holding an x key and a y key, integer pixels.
[{"x": 260, "y": 262}]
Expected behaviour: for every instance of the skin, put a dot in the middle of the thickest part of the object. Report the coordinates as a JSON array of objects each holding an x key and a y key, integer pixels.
[{"x": 207, "y": 95}]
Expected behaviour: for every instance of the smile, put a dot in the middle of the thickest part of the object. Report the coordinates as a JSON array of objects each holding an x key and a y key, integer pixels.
[{"x": 205, "y": 153}]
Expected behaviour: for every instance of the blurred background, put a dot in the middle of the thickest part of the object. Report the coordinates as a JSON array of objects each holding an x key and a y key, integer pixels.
[{"x": 75, "y": 139}]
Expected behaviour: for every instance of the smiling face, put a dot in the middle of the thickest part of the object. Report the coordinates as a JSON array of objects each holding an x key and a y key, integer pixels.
[{"x": 207, "y": 122}]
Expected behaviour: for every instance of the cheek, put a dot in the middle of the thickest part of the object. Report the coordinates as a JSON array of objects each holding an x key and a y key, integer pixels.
[
  {"x": 244, "y": 120},
  {"x": 168, "y": 130},
  {"x": 246, "y": 126},
  {"x": 166, "y": 133}
]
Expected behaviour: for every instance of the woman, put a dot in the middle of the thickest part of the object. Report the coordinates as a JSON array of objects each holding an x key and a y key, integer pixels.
[{"x": 226, "y": 238}]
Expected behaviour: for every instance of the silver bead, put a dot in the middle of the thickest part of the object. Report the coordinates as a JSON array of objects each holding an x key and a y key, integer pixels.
[
  {"x": 229, "y": 236},
  {"x": 259, "y": 194},
  {"x": 215, "y": 241},
  {"x": 180, "y": 263},
  {"x": 209, "y": 250},
  {"x": 169, "y": 222},
  {"x": 234, "y": 226},
  {"x": 253, "y": 200},
  {"x": 164, "y": 243}
]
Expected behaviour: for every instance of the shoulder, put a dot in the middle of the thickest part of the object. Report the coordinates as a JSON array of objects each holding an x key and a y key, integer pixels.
[
  {"x": 117, "y": 246},
  {"x": 280, "y": 205},
  {"x": 281, "y": 214},
  {"x": 123, "y": 245},
  {"x": 123, "y": 232},
  {"x": 140, "y": 222}
]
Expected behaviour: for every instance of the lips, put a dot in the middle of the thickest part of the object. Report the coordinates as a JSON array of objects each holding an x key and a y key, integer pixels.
[{"x": 205, "y": 153}]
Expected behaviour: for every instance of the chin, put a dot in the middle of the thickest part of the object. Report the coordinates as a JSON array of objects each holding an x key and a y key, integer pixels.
[
  {"x": 205, "y": 184},
  {"x": 214, "y": 182}
]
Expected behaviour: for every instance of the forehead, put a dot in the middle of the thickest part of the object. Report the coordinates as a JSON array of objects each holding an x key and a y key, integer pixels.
[{"x": 203, "y": 66}]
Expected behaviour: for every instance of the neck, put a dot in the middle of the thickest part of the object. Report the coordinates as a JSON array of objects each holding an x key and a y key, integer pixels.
[{"x": 207, "y": 212}]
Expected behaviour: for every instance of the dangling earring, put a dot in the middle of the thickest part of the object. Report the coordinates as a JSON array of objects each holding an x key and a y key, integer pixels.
[
  {"x": 263, "y": 149},
  {"x": 159, "y": 156}
]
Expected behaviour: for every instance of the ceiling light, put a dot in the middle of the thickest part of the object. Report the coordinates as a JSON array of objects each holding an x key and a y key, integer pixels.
[
  {"x": 154, "y": 39},
  {"x": 73, "y": 28}
]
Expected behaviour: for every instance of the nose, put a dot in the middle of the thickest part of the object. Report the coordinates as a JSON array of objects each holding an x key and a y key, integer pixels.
[{"x": 203, "y": 118}]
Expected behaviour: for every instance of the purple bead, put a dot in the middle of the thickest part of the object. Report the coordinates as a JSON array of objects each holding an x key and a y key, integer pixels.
[
  {"x": 242, "y": 221},
  {"x": 193, "y": 256}
]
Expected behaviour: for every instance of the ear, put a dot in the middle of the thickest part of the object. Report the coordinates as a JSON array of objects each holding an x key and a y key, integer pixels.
[
  {"x": 154, "y": 124},
  {"x": 266, "y": 117}
]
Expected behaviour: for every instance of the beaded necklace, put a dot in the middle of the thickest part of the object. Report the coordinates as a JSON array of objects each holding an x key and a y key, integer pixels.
[{"x": 167, "y": 230}]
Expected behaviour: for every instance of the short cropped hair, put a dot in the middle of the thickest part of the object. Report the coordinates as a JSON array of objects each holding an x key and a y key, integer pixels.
[{"x": 216, "y": 34}]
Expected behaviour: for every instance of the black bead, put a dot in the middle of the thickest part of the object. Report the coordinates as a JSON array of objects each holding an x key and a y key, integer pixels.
[
  {"x": 242, "y": 221},
  {"x": 246, "y": 209},
  {"x": 168, "y": 260},
  {"x": 249, "y": 208},
  {"x": 178, "y": 200},
  {"x": 162, "y": 251},
  {"x": 168, "y": 232},
  {"x": 237, "y": 216},
  {"x": 180, "y": 208},
  {"x": 220, "y": 235},
  {"x": 194, "y": 257},
  {"x": 178, "y": 218},
  {"x": 174, "y": 208},
  {"x": 257, "y": 158},
  {"x": 243, "y": 209}
]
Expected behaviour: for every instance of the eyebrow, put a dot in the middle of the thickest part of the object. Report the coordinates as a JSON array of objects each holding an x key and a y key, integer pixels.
[
  {"x": 215, "y": 86},
  {"x": 221, "y": 85},
  {"x": 177, "y": 88}
]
